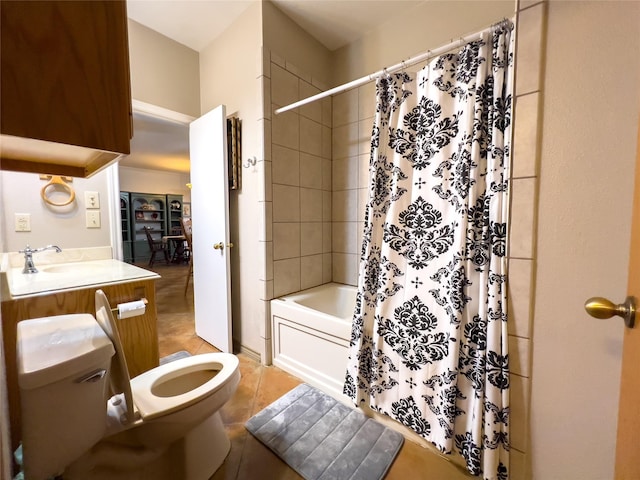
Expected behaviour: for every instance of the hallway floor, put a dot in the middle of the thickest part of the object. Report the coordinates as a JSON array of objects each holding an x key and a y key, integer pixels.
[{"x": 260, "y": 385}]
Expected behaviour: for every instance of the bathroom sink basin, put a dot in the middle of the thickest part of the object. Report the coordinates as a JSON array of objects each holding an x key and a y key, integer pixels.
[
  {"x": 72, "y": 275},
  {"x": 68, "y": 268}
]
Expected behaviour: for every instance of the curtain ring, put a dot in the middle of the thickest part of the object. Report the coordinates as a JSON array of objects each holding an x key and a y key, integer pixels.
[{"x": 53, "y": 181}]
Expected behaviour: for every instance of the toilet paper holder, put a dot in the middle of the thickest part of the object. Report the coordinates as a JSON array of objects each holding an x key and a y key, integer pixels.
[{"x": 117, "y": 309}]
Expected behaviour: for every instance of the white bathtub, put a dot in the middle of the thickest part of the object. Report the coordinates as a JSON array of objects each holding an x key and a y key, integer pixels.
[{"x": 311, "y": 331}]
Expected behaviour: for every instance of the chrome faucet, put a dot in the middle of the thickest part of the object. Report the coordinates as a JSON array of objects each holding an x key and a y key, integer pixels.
[{"x": 29, "y": 267}]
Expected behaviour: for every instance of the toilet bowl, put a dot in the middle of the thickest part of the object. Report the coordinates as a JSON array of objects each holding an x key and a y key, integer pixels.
[{"x": 84, "y": 417}]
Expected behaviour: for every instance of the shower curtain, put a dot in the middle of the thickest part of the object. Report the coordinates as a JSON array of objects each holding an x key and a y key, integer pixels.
[{"x": 429, "y": 337}]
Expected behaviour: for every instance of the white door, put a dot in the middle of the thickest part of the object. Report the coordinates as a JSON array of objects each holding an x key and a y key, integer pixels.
[{"x": 210, "y": 227}]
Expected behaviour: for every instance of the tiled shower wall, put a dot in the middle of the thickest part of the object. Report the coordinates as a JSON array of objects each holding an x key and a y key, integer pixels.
[
  {"x": 303, "y": 154},
  {"x": 301, "y": 182}
]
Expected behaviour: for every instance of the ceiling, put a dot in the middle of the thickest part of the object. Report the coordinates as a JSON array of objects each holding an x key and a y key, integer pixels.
[{"x": 162, "y": 145}]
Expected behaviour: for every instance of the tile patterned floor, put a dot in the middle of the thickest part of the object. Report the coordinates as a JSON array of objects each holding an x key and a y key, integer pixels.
[{"x": 259, "y": 386}]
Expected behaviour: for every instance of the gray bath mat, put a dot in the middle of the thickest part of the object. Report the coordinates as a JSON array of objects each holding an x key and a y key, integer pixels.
[
  {"x": 174, "y": 356},
  {"x": 322, "y": 439}
]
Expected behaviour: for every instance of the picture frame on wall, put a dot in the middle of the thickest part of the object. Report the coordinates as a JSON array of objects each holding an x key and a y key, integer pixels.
[{"x": 186, "y": 209}]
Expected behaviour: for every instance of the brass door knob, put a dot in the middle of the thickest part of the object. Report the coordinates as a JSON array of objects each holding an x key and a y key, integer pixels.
[
  {"x": 219, "y": 246},
  {"x": 603, "y": 308},
  {"x": 230, "y": 245}
]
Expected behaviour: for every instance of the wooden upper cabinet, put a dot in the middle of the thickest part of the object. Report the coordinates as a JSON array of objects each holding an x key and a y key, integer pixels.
[{"x": 65, "y": 93}]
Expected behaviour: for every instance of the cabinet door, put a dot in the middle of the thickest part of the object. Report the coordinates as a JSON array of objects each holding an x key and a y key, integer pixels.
[{"x": 65, "y": 78}]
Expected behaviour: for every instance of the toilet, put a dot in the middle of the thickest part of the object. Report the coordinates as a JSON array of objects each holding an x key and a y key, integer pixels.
[{"x": 82, "y": 416}]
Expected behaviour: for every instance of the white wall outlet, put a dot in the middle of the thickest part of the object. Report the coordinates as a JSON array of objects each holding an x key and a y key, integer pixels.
[
  {"x": 22, "y": 222},
  {"x": 92, "y": 200},
  {"x": 93, "y": 218}
]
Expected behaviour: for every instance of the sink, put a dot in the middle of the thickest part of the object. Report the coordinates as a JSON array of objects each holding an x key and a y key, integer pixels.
[{"x": 68, "y": 268}]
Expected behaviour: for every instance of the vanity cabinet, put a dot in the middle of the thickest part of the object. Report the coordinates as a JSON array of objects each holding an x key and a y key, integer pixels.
[
  {"x": 139, "y": 334},
  {"x": 65, "y": 88}
]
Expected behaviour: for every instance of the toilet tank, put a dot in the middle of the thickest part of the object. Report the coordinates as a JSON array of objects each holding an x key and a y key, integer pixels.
[{"x": 63, "y": 365}]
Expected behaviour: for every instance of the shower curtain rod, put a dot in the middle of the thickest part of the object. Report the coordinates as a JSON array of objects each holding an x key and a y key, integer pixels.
[{"x": 394, "y": 68}]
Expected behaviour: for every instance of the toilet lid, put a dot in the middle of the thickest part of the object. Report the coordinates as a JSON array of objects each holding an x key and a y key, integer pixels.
[{"x": 119, "y": 375}]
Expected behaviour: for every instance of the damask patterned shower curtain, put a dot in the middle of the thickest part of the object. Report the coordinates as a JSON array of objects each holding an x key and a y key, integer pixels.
[{"x": 429, "y": 338}]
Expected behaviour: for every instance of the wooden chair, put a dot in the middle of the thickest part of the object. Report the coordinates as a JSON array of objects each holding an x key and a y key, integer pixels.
[
  {"x": 155, "y": 246},
  {"x": 186, "y": 231}
]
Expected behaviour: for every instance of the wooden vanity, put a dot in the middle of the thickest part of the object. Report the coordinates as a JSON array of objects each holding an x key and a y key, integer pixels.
[{"x": 138, "y": 334}]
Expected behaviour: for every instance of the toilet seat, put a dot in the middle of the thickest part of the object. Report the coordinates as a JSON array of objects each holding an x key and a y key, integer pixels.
[
  {"x": 151, "y": 405},
  {"x": 140, "y": 401}
]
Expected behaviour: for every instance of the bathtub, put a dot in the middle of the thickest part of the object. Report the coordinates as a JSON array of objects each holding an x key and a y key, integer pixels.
[{"x": 310, "y": 334}]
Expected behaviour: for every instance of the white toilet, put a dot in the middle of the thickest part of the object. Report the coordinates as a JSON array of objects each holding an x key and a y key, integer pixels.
[{"x": 163, "y": 423}]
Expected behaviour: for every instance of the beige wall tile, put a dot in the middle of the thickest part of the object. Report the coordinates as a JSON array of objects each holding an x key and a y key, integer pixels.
[
  {"x": 522, "y": 217},
  {"x": 367, "y": 101},
  {"x": 286, "y": 276},
  {"x": 345, "y": 108},
  {"x": 310, "y": 205},
  {"x": 518, "y": 465},
  {"x": 327, "y": 138},
  {"x": 311, "y": 268},
  {"x": 285, "y": 129},
  {"x": 311, "y": 238},
  {"x": 327, "y": 275},
  {"x": 519, "y": 406},
  {"x": 364, "y": 136},
  {"x": 345, "y": 237},
  {"x": 363, "y": 196},
  {"x": 345, "y": 141},
  {"x": 326, "y": 174},
  {"x": 310, "y": 171},
  {"x": 525, "y": 136},
  {"x": 529, "y": 52},
  {"x": 345, "y": 206},
  {"x": 278, "y": 60},
  {"x": 310, "y": 137},
  {"x": 286, "y": 240},
  {"x": 327, "y": 214},
  {"x": 327, "y": 111},
  {"x": 519, "y": 349},
  {"x": 266, "y": 97},
  {"x": 311, "y": 110},
  {"x": 284, "y": 86},
  {"x": 266, "y": 289},
  {"x": 363, "y": 170},
  {"x": 327, "y": 237},
  {"x": 286, "y": 203},
  {"x": 266, "y": 62},
  {"x": 293, "y": 68},
  {"x": 345, "y": 268},
  {"x": 345, "y": 173},
  {"x": 286, "y": 166},
  {"x": 519, "y": 295}
]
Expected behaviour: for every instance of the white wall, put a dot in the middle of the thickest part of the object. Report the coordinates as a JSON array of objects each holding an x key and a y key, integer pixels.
[
  {"x": 163, "y": 72},
  {"x": 62, "y": 226},
  {"x": 590, "y": 119},
  {"x": 415, "y": 30},
  {"x": 154, "y": 181},
  {"x": 229, "y": 74}
]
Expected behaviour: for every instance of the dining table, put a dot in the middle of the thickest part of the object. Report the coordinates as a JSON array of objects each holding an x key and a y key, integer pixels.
[{"x": 176, "y": 247}]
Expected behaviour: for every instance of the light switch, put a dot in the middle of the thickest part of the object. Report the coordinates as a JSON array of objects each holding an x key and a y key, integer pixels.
[
  {"x": 22, "y": 222},
  {"x": 93, "y": 218},
  {"x": 92, "y": 199}
]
